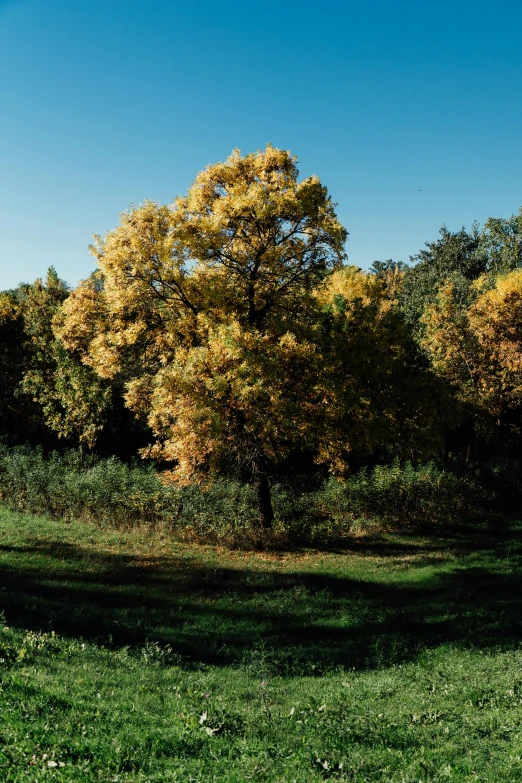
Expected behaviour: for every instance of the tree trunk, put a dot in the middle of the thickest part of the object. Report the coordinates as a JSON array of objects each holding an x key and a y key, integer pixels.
[{"x": 264, "y": 500}]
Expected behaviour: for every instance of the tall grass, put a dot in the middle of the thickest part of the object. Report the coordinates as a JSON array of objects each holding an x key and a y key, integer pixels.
[
  {"x": 111, "y": 492},
  {"x": 69, "y": 486}
]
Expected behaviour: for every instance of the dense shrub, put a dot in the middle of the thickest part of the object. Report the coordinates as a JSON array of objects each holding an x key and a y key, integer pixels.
[
  {"x": 503, "y": 478},
  {"x": 68, "y": 486},
  {"x": 111, "y": 492},
  {"x": 402, "y": 494}
]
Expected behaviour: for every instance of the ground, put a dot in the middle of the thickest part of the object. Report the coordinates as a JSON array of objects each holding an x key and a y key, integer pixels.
[{"x": 125, "y": 656}]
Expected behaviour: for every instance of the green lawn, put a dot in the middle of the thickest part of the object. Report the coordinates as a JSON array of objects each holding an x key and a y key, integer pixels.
[{"x": 132, "y": 658}]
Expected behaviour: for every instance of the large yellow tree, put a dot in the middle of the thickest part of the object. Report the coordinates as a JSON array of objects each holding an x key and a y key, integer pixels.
[{"x": 207, "y": 310}]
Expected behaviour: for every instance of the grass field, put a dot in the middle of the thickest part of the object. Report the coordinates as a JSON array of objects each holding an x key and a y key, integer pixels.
[{"x": 125, "y": 657}]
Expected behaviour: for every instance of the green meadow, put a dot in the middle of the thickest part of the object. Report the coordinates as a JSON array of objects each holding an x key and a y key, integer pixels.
[{"x": 127, "y": 657}]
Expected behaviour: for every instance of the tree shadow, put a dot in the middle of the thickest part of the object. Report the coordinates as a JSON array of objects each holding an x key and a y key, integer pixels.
[{"x": 272, "y": 621}]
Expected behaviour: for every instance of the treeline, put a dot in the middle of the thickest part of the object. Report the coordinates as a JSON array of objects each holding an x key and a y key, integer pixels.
[{"x": 225, "y": 337}]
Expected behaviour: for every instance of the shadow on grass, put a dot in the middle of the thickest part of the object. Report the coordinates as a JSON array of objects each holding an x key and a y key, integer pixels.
[{"x": 274, "y": 621}]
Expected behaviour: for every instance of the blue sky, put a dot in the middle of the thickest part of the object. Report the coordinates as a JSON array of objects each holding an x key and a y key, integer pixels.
[{"x": 410, "y": 113}]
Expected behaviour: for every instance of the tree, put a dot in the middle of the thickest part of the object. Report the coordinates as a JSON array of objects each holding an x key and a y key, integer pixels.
[
  {"x": 391, "y": 274},
  {"x": 375, "y": 392},
  {"x": 207, "y": 312},
  {"x": 457, "y": 257},
  {"x": 478, "y": 349},
  {"x": 501, "y": 241},
  {"x": 72, "y": 398}
]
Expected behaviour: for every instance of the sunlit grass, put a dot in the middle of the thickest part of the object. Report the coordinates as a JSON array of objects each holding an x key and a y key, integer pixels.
[{"x": 130, "y": 657}]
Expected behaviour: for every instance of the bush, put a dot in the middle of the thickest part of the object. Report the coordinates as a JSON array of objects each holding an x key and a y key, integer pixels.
[
  {"x": 65, "y": 486},
  {"x": 503, "y": 478},
  {"x": 111, "y": 492},
  {"x": 402, "y": 495}
]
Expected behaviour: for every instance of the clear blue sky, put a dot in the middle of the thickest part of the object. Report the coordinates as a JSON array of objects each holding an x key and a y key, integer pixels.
[{"x": 410, "y": 113}]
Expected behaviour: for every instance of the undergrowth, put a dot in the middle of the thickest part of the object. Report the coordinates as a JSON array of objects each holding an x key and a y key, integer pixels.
[{"x": 111, "y": 492}]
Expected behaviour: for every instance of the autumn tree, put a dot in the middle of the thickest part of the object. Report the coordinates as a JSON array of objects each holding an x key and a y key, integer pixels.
[
  {"x": 72, "y": 398},
  {"x": 478, "y": 349},
  {"x": 459, "y": 258},
  {"x": 376, "y": 392},
  {"x": 392, "y": 275},
  {"x": 206, "y": 311}
]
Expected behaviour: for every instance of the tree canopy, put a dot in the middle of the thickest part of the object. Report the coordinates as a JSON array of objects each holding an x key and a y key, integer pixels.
[{"x": 206, "y": 309}]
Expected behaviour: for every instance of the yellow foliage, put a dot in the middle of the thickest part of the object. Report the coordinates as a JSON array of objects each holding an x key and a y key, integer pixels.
[
  {"x": 479, "y": 348},
  {"x": 204, "y": 310},
  {"x": 9, "y": 309},
  {"x": 355, "y": 286},
  {"x": 372, "y": 394}
]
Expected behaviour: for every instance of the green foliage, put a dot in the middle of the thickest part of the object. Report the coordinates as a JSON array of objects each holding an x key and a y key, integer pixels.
[
  {"x": 112, "y": 493},
  {"x": 46, "y": 392},
  {"x": 17, "y": 414},
  {"x": 457, "y": 257},
  {"x": 402, "y": 495},
  {"x": 73, "y": 400},
  {"x": 71, "y": 486},
  {"x": 501, "y": 240}
]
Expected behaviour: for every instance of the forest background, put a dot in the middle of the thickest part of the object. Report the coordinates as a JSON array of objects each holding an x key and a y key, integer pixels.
[{"x": 270, "y": 388}]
